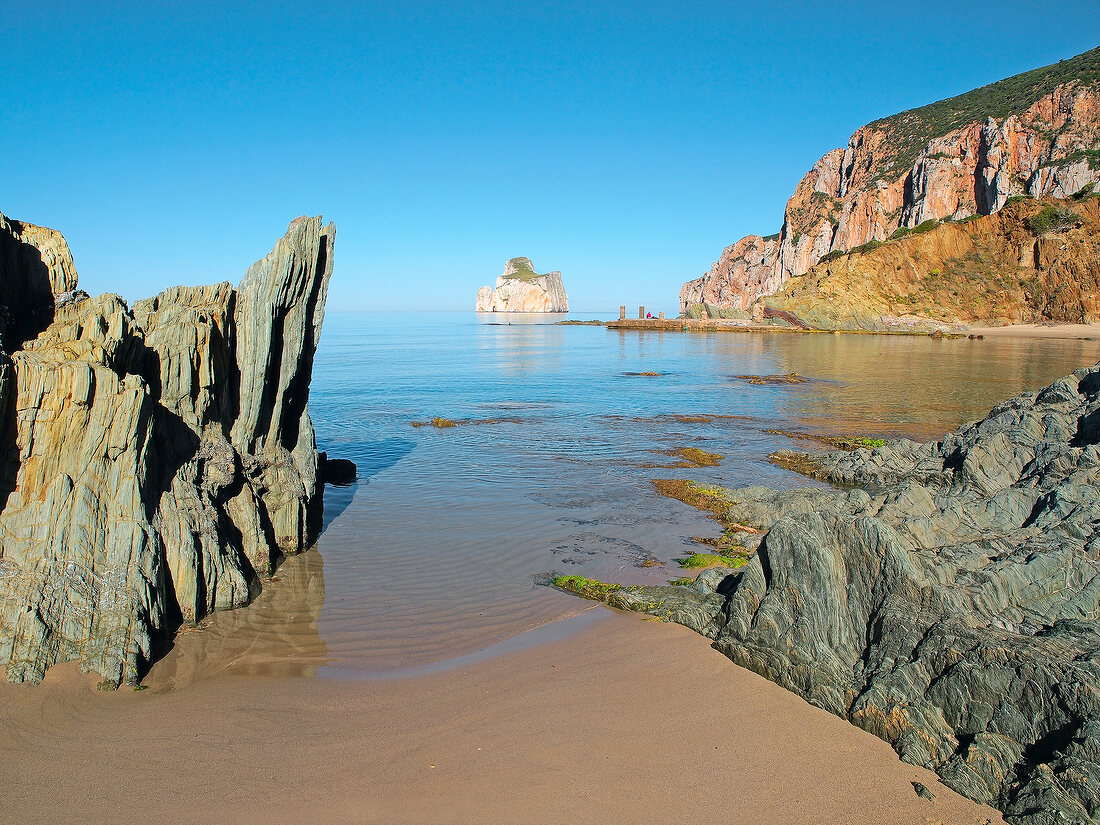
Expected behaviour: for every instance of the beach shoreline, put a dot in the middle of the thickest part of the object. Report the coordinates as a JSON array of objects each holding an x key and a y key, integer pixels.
[
  {"x": 623, "y": 720},
  {"x": 1085, "y": 332}
]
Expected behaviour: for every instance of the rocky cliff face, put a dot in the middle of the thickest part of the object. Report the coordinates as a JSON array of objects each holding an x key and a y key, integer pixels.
[
  {"x": 945, "y": 599},
  {"x": 1035, "y": 134},
  {"x": 27, "y": 302},
  {"x": 156, "y": 461},
  {"x": 520, "y": 289},
  {"x": 1010, "y": 267}
]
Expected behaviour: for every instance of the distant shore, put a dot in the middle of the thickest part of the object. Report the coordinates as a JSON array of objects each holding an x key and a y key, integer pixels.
[
  {"x": 1068, "y": 331},
  {"x": 1062, "y": 331}
]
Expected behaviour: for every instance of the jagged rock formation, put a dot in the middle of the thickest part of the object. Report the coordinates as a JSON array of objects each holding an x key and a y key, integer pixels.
[
  {"x": 520, "y": 289},
  {"x": 1037, "y": 134},
  {"x": 988, "y": 271},
  {"x": 42, "y": 257},
  {"x": 951, "y": 608},
  {"x": 155, "y": 462}
]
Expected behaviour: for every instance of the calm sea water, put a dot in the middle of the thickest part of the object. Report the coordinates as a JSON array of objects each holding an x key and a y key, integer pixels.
[{"x": 442, "y": 547}]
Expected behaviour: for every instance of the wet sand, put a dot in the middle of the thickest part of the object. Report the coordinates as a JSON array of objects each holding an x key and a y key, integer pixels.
[{"x": 627, "y": 720}]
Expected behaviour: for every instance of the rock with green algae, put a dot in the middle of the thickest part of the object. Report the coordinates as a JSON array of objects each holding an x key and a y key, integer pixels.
[{"x": 951, "y": 608}]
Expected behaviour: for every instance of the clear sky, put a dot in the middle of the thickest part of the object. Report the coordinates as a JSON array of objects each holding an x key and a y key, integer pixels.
[{"x": 623, "y": 143}]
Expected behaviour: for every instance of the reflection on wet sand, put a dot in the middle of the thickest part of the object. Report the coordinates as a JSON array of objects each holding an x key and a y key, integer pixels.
[{"x": 275, "y": 636}]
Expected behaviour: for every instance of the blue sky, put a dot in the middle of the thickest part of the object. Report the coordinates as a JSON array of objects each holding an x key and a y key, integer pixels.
[{"x": 623, "y": 143}]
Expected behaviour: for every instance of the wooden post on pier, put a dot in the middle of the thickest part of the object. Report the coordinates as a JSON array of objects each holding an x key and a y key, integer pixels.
[
  {"x": 661, "y": 316},
  {"x": 622, "y": 312},
  {"x": 641, "y": 313}
]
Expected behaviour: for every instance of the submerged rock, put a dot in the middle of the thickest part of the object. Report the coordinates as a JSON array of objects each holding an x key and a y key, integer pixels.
[
  {"x": 337, "y": 471},
  {"x": 950, "y": 608},
  {"x": 520, "y": 289},
  {"x": 155, "y": 462}
]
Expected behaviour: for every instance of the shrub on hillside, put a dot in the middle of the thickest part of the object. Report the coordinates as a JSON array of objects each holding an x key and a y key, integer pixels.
[
  {"x": 866, "y": 247},
  {"x": 1053, "y": 219}
]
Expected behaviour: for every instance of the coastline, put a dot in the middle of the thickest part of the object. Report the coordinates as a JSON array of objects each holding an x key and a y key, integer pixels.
[
  {"x": 1061, "y": 331},
  {"x": 1065, "y": 331},
  {"x": 638, "y": 718}
]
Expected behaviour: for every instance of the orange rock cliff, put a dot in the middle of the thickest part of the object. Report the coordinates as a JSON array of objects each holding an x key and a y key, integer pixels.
[{"x": 1036, "y": 134}]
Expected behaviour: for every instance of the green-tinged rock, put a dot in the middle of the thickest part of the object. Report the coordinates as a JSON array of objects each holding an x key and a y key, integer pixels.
[
  {"x": 950, "y": 608},
  {"x": 159, "y": 459},
  {"x": 585, "y": 587},
  {"x": 699, "y": 560}
]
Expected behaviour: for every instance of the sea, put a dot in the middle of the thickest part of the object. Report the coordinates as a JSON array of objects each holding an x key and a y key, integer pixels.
[{"x": 442, "y": 551}]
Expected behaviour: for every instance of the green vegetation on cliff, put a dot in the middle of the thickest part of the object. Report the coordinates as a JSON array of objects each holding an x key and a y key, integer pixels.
[
  {"x": 1034, "y": 261},
  {"x": 520, "y": 269},
  {"x": 910, "y": 131},
  {"x": 1053, "y": 219}
]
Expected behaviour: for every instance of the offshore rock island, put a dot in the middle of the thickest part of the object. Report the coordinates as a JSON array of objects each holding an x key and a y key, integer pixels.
[
  {"x": 1036, "y": 134},
  {"x": 156, "y": 461},
  {"x": 521, "y": 289}
]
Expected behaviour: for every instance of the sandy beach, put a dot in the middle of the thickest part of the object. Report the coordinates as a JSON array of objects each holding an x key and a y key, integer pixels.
[
  {"x": 627, "y": 720},
  {"x": 1086, "y": 332},
  {"x": 1070, "y": 331}
]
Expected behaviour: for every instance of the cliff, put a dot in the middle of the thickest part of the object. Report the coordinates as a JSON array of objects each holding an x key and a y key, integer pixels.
[
  {"x": 1031, "y": 262},
  {"x": 1034, "y": 134},
  {"x": 520, "y": 289},
  {"x": 944, "y": 598},
  {"x": 156, "y": 462}
]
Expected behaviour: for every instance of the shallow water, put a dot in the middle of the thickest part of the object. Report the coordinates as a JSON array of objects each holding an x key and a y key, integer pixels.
[{"x": 442, "y": 547}]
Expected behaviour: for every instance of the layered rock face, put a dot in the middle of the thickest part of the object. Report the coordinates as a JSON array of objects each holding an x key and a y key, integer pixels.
[
  {"x": 155, "y": 461},
  {"x": 988, "y": 271},
  {"x": 945, "y": 599},
  {"x": 1036, "y": 134},
  {"x": 520, "y": 289},
  {"x": 44, "y": 262}
]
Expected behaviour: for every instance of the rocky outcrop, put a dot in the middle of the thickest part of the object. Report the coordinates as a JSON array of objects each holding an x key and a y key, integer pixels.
[
  {"x": 1034, "y": 134},
  {"x": 157, "y": 461},
  {"x": 946, "y": 599},
  {"x": 1004, "y": 268},
  {"x": 44, "y": 262},
  {"x": 520, "y": 289}
]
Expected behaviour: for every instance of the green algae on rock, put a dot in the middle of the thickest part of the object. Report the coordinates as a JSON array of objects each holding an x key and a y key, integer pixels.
[
  {"x": 585, "y": 587},
  {"x": 950, "y": 608},
  {"x": 700, "y": 458},
  {"x": 839, "y": 442},
  {"x": 441, "y": 423},
  {"x": 765, "y": 380},
  {"x": 699, "y": 561}
]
